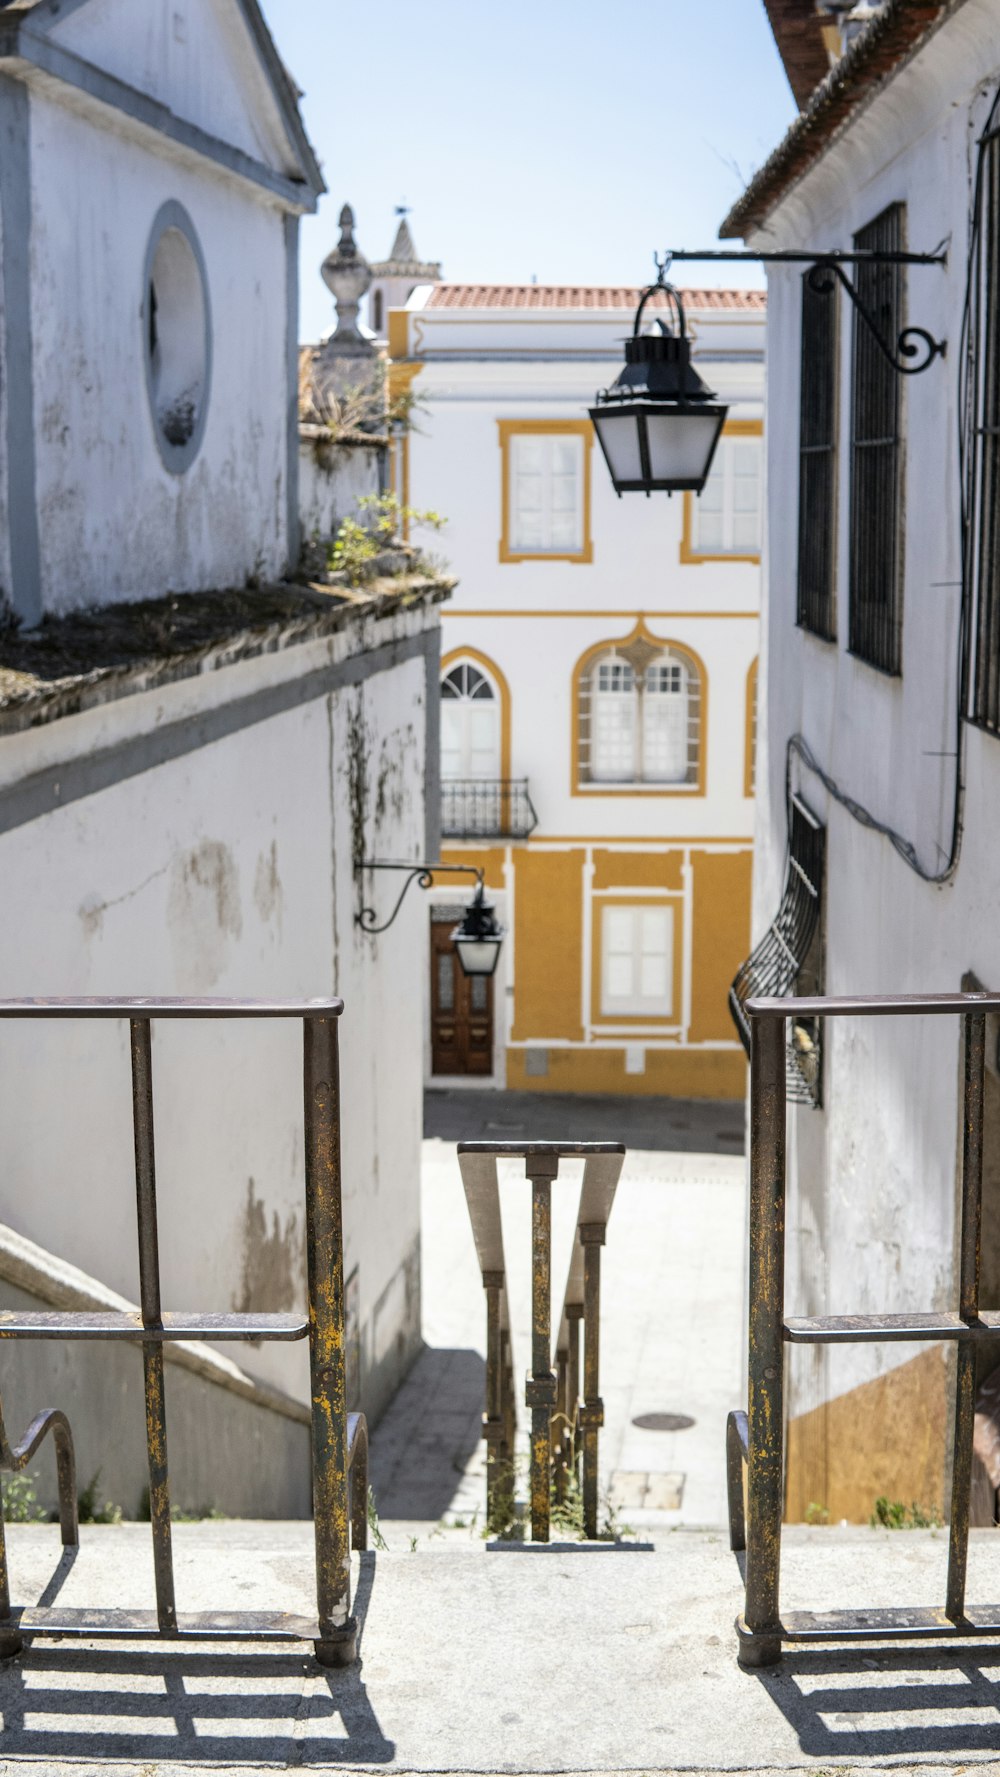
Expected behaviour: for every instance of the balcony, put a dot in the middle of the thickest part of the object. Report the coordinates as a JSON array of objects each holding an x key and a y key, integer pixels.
[{"x": 486, "y": 808}]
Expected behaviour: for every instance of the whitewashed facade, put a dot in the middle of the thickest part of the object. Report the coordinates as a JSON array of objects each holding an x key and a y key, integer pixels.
[
  {"x": 873, "y": 1170},
  {"x": 153, "y": 172}
]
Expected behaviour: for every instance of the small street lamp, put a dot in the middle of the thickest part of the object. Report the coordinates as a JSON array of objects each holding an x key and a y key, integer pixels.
[
  {"x": 479, "y": 937},
  {"x": 658, "y": 424}
]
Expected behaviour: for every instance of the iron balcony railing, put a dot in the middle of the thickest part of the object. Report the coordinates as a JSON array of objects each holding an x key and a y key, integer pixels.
[
  {"x": 486, "y": 808},
  {"x": 339, "y": 1439},
  {"x": 756, "y": 1439},
  {"x": 563, "y": 1426}
]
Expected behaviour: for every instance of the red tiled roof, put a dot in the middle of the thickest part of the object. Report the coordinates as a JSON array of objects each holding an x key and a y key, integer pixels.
[
  {"x": 871, "y": 59},
  {"x": 578, "y": 296},
  {"x": 798, "y": 32}
]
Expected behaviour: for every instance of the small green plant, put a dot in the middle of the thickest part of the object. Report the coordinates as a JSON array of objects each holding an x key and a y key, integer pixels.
[
  {"x": 178, "y": 1514},
  {"x": 357, "y": 544},
  {"x": 817, "y": 1514},
  {"x": 20, "y": 1500},
  {"x": 413, "y": 1544},
  {"x": 892, "y": 1514},
  {"x": 373, "y": 1524},
  {"x": 93, "y": 1511}
]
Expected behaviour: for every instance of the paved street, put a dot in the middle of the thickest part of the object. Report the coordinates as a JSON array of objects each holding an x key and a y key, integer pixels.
[{"x": 672, "y": 1294}]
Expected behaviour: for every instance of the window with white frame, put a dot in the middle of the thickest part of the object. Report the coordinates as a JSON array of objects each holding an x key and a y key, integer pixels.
[
  {"x": 725, "y": 519},
  {"x": 639, "y": 717},
  {"x": 545, "y": 493},
  {"x": 637, "y": 961},
  {"x": 470, "y": 724}
]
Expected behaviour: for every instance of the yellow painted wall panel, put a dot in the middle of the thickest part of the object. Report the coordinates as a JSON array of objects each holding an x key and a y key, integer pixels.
[
  {"x": 488, "y": 858},
  {"x": 632, "y": 869},
  {"x": 548, "y": 924},
  {"x": 670, "y": 1073},
  {"x": 720, "y": 938}
]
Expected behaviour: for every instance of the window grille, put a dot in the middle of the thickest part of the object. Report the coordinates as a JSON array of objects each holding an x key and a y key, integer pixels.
[
  {"x": 789, "y": 957},
  {"x": 818, "y": 460},
  {"x": 640, "y": 721},
  {"x": 983, "y": 565},
  {"x": 876, "y": 454}
]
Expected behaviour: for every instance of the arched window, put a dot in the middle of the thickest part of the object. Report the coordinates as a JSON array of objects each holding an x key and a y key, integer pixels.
[
  {"x": 640, "y": 716},
  {"x": 470, "y": 724}
]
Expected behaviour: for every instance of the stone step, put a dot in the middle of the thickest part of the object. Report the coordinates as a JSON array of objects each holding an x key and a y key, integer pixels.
[{"x": 479, "y": 1658}]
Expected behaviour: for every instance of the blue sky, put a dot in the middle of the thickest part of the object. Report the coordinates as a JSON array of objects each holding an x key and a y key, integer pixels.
[{"x": 556, "y": 139}]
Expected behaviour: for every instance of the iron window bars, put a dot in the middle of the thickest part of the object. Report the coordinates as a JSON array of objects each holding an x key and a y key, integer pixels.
[
  {"x": 983, "y": 468},
  {"x": 486, "y": 808},
  {"x": 790, "y": 949},
  {"x": 561, "y": 1423},
  {"x": 818, "y": 459},
  {"x": 339, "y": 1440},
  {"x": 756, "y": 1438},
  {"x": 875, "y": 603}
]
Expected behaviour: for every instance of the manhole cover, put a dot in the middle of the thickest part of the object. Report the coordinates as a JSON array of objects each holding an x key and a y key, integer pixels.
[{"x": 663, "y": 1422}]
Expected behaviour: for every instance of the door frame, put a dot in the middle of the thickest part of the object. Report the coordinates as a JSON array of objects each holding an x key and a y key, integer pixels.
[{"x": 496, "y": 1080}]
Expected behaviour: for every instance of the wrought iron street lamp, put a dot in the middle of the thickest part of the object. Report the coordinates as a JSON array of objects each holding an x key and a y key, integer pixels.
[
  {"x": 479, "y": 936},
  {"x": 658, "y": 424}
]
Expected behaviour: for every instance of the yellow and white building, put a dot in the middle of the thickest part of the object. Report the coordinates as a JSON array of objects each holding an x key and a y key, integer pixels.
[{"x": 598, "y": 693}]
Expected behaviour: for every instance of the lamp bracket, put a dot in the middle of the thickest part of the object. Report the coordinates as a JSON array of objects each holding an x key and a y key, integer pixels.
[
  {"x": 826, "y": 271},
  {"x": 424, "y": 874}
]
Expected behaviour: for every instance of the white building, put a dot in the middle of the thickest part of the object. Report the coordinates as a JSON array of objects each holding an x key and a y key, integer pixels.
[
  {"x": 190, "y": 779},
  {"x": 597, "y": 693},
  {"x": 874, "y": 575},
  {"x": 153, "y": 174}
]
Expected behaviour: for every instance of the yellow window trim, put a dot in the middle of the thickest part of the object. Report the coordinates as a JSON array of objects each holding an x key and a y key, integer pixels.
[
  {"x": 583, "y": 787},
  {"x": 691, "y": 557},
  {"x": 452, "y": 659},
  {"x": 624, "y": 897},
  {"x": 509, "y": 429},
  {"x": 749, "y": 749}
]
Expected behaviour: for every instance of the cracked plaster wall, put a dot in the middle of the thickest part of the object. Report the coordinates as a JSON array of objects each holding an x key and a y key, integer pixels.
[{"x": 228, "y": 871}]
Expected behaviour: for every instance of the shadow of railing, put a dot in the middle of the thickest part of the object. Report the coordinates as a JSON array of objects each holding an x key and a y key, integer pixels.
[{"x": 188, "y": 1703}]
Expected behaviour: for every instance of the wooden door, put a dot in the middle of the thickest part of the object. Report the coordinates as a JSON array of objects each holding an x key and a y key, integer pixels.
[{"x": 461, "y": 1009}]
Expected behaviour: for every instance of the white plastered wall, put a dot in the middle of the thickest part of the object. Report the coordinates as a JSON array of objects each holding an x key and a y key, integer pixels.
[{"x": 873, "y": 1195}]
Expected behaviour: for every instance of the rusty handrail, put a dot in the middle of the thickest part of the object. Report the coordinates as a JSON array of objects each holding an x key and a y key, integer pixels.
[
  {"x": 758, "y": 1437},
  {"x": 552, "y": 1396},
  {"x": 338, "y": 1443}
]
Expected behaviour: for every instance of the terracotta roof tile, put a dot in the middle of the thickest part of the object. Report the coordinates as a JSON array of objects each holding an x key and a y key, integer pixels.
[
  {"x": 871, "y": 59},
  {"x": 798, "y": 32},
  {"x": 579, "y": 296}
]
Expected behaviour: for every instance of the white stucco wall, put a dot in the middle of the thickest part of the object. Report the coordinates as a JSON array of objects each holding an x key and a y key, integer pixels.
[
  {"x": 114, "y": 522},
  {"x": 227, "y": 870},
  {"x": 873, "y": 1204},
  {"x": 332, "y": 479}
]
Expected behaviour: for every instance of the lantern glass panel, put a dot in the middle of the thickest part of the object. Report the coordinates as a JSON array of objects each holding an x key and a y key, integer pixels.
[
  {"x": 619, "y": 435},
  {"x": 478, "y": 956},
  {"x": 681, "y": 445}
]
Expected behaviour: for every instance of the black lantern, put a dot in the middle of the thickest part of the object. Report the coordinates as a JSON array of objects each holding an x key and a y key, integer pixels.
[
  {"x": 479, "y": 937},
  {"x": 658, "y": 424}
]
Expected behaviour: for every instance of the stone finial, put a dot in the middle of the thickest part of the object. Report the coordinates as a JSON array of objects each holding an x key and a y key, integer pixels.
[{"x": 347, "y": 274}]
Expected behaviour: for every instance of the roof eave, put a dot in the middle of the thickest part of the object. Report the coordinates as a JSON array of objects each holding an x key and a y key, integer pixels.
[{"x": 870, "y": 62}]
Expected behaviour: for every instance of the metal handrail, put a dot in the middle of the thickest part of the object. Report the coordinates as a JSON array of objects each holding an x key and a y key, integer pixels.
[
  {"x": 339, "y": 1441},
  {"x": 558, "y": 1416},
  {"x": 756, "y": 1440}
]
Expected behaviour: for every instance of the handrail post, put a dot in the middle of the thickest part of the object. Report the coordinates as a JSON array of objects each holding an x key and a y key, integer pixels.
[
  {"x": 493, "y": 1418},
  {"x": 149, "y": 1297},
  {"x": 761, "y": 1645},
  {"x": 969, "y": 1269},
  {"x": 540, "y": 1393},
  {"x": 592, "y": 1237},
  {"x": 325, "y": 1257},
  {"x": 574, "y": 1315}
]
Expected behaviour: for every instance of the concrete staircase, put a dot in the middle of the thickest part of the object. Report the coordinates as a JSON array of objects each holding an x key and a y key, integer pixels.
[{"x": 478, "y": 1658}]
